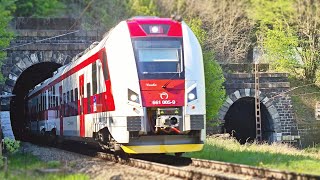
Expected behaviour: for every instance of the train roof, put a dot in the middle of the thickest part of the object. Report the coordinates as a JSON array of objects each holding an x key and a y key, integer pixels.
[
  {"x": 93, "y": 48},
  {"x": 96, "y": 46}
]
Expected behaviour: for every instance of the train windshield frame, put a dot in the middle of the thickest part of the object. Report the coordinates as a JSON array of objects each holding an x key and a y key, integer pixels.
[{"x": 159, "y": 57}]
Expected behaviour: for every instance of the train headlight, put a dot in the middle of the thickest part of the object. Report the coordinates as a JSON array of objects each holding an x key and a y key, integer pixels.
[
  {"x": 154, "y": 29},
  {"x": 133, "y": 96},
  {"x": 192, "y": 95}
]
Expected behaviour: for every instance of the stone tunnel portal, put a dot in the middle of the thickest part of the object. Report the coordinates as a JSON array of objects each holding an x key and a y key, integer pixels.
[
  {"x": 240, "y": 121},
  {"x": 30, "y": 77}
]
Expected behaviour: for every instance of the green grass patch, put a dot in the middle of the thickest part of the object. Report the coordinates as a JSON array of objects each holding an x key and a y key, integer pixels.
[
  {"x": 276, "y": 156},
  {"x": 25, "y": 166}
]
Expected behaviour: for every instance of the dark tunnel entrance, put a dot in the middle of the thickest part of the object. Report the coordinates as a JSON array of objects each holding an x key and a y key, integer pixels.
[
  {"x": 26, "y": 81},
  {"x": 241, "y": 123}
]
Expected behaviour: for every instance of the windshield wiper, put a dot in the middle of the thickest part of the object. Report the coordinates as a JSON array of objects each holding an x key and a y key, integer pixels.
[{"x": 168, "y": 82}]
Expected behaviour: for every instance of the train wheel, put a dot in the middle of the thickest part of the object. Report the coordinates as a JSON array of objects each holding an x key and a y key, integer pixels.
[{"x": 178, "y": 154}]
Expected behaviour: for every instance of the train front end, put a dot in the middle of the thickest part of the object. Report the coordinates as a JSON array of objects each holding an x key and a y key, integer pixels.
[{"x": 167, "y": 102}]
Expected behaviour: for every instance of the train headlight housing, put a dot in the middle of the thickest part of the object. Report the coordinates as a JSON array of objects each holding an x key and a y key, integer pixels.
[
  {"x": 133, "y": 96},
  {"x": 192, "y": 95}
]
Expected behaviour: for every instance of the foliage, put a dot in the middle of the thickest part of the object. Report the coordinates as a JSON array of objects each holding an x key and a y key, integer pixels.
[
  {"x": 229, "y": 29},
  {"x": 288, "y": 32},
  {"x": 274, "y": 34},
  {"x": 21, "y": 165},
  {"x": 215, "y": 92},
  {"x": 7, "y": 7},
  {"x": 142, "y": 8},
  {"x": 276, "y": 156},
  {"x": 98, "y": 15},
  {"x": 307, "y": 25},
  {"x": 272, "y": 13},
  {"x": 214, "y": 79},
  {"x": 280, "y": 48},
  {"x": 38, "y": 8},
  {"x": 12, "y": 146}
]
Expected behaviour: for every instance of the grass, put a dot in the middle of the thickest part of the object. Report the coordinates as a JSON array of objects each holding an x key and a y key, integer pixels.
[
  {"x": 25, "y": 166},
  {"x": 275, "y": 156}
]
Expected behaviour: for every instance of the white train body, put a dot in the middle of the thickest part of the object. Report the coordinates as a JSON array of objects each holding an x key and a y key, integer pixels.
[{"x": 143, "y": 83}]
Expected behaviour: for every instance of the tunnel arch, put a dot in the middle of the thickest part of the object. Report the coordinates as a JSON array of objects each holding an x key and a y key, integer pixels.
[
  {"x": 30, "y": 77},
  {"x": 236, "y": 106},
  {"x": 23, "y": 71}
]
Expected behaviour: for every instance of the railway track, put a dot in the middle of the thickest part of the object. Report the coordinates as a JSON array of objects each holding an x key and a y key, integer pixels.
[{"x": 189, "y": 168}]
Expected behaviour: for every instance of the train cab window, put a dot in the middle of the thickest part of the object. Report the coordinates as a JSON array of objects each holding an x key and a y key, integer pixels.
[
  {"x": 94, "y": 78},
  {"x": 88, "y": 96},
  {"x": 154, "y": 55}
]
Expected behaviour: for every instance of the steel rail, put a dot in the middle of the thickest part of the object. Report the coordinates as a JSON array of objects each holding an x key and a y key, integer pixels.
[{"x": 188, "y": 168}]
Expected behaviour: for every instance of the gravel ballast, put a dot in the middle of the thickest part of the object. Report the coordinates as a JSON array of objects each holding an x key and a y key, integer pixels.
[{"x": 95, "y": 168}]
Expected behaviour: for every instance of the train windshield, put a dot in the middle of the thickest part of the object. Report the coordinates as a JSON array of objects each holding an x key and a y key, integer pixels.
[{"x": 154, "y": 55}]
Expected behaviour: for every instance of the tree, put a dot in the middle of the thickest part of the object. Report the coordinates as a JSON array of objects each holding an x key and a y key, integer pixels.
[
  {"x": 226, "y": 23},
  {"x": 38, "y": 8},
  {"x": 142, "y": 8},
  {"x": 101, "y": 15},
  {"x": 7, "y": 7},
  {"x": 274, "y": 33},
  {"x": 288, "y": 32},
  {"x": 307, "y": 22},
  {"x": 214, "y": 79}
]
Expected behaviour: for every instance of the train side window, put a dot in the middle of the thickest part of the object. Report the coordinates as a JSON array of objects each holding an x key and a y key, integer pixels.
[
  {"x": 41, "y": 102},
  {"x": 88, "y": 96},
  {"x": 71, "y": 95},
  {"x": 68, "y": 97},
  {"x": 45, "y": 100},
  {"x": 51, "y": 97},
  {"x": 76, "y": 94},
  {"x": 94, "y": 78},
  {"x": 105, "y": 66},
  {"x": 76, "y": 101}
]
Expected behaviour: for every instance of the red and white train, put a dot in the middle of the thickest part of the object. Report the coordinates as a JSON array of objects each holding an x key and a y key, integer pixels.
[{"x": 141, "y": 88}]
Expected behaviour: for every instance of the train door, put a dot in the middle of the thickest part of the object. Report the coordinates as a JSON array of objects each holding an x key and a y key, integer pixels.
[
  {"x": 81, "y": 97},
  {"x": 61, "y": 110}
]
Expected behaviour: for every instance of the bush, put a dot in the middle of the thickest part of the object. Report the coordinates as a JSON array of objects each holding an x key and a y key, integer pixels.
[{"x": 11, "y": 146}]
